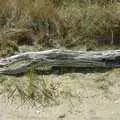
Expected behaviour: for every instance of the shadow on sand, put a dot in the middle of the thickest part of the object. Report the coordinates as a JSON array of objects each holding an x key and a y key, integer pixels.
[{"x": 63, "y": 70}]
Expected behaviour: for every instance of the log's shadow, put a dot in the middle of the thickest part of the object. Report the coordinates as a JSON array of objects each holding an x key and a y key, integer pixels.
[{"x": 64, "y": 70}]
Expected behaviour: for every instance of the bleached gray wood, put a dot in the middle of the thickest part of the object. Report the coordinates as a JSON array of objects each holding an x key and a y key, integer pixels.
[{"x": 62, "y": 58}]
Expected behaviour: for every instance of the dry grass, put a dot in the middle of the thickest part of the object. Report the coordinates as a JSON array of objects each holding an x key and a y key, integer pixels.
[
  {"x": 21, "y": 12},
  {"x": 57, "y": 23},
  {"x": 89, "y": 22},
  {"x": 31, "y": 21},
  {"x": 30, "y": 89},
  {"x": 51, "y": 89}
]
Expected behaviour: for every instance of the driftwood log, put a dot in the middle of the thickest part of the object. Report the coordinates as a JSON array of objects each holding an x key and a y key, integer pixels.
[{"x": 22, "y": 62}]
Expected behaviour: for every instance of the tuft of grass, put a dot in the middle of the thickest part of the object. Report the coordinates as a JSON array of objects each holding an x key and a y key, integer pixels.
[{"x": 30, "y": 88}]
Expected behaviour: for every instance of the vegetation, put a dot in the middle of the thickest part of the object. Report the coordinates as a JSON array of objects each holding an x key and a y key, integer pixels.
[
  {"x": 58, "y": 23},
  {"x": 73, "y": 24},
  {"x": 30, "y": 88}
]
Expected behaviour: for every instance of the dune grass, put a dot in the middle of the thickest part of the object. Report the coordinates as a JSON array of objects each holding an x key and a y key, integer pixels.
[
  {"x": 29, "y": 89},
  {"x": 57, "y": 23}
]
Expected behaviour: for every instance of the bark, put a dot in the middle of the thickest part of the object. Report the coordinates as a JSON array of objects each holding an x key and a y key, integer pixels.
[{"x": 22, "y": 62}]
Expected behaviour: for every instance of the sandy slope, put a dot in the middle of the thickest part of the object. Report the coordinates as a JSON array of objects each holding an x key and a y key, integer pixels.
[{"x": 95, "y": 96}]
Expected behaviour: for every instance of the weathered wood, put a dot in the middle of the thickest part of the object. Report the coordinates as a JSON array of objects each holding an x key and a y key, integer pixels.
[{"x": 67, "y": 58}]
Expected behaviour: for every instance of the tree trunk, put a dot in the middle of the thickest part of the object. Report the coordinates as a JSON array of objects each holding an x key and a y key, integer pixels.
[{"x": 22, "y": 62}]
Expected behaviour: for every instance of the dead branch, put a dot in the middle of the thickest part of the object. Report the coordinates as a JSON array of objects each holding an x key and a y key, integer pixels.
[{"x": 61, "y": 58}]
